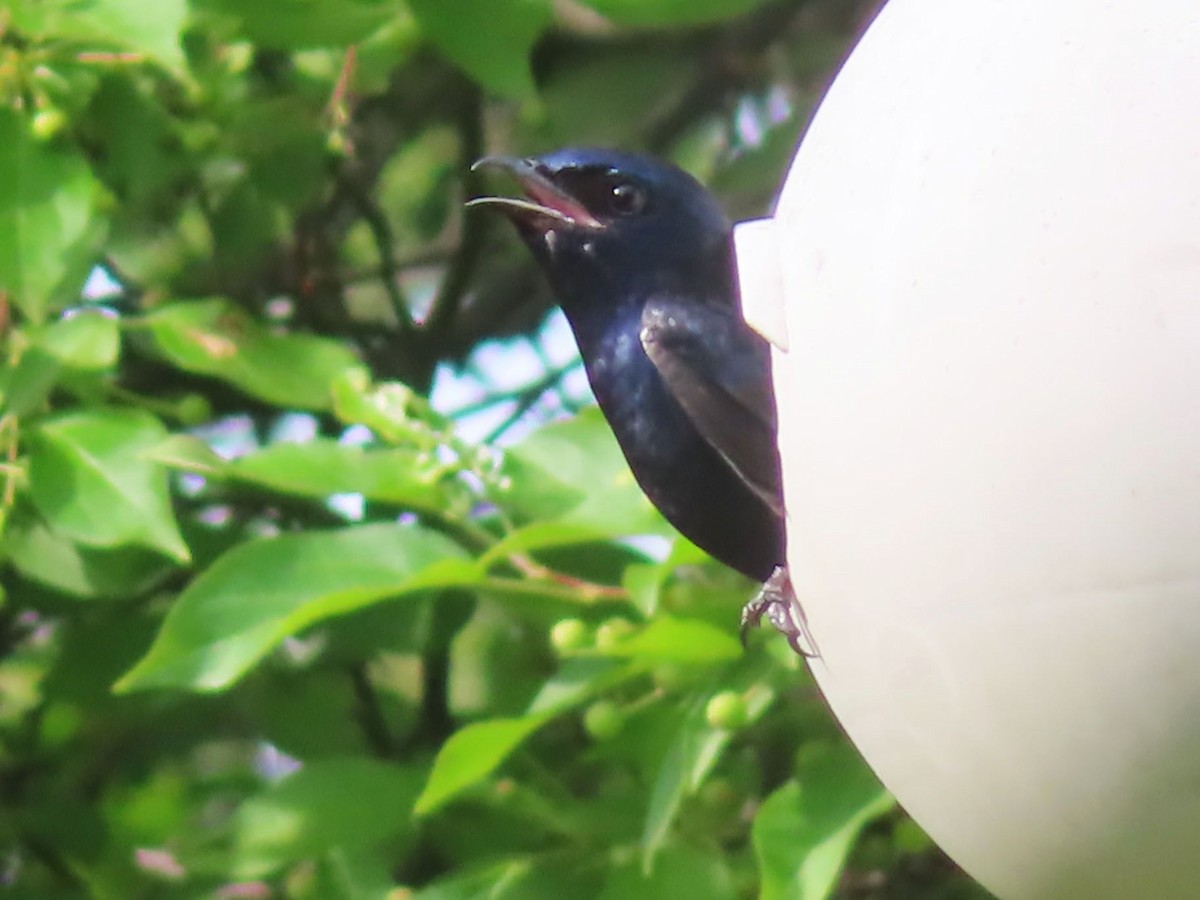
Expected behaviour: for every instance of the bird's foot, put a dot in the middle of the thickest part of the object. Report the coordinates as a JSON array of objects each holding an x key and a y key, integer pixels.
[{"x": 777, "y": 601}]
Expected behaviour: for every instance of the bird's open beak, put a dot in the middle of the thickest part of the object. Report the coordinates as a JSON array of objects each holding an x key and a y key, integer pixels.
[{"x": 545, "y": 205}]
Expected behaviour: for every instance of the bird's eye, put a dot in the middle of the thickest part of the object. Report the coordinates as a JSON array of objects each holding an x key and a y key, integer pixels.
[{"x": 626, "y": 198}]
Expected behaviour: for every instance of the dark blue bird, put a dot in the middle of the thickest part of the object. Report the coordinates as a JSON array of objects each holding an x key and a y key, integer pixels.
[{"x": 640, "y": 257}]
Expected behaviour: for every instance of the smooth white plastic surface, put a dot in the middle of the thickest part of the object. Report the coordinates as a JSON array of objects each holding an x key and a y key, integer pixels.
[{"x": 989, "y": 256}]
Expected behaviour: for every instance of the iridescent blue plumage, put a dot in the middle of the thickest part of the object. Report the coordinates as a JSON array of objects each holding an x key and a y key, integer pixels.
[{"x": 639, "y": 256}]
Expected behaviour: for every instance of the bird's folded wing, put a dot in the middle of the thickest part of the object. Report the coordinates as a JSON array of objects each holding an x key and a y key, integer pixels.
[{"x": 719, "y": 371}]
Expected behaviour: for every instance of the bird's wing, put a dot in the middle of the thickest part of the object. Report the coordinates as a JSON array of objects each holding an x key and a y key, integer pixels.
[{"x": 719, "y": 371}]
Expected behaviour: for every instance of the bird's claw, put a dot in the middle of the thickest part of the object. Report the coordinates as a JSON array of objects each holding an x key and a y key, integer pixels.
[{"x": 777, "y": 601}]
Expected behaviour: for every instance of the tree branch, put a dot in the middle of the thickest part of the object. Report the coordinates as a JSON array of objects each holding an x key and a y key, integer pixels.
[
  {"x": 369, "y": 713},
  {"x": 381, "y": 231},
  {"x": 458, "y": 276}
]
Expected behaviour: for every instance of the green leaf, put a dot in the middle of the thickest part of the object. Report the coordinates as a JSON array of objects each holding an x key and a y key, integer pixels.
[
  {"x": 89, "y": 481},
  {"x": 328, "y": 804},
  {"x": 694, "y": 750},
  {"x": 182, "y": 451},
  {"x": 546, "y": 535},
  {"x": 658, "y": 13},
  {"x": 544, "y": 876},
  {"x": 263, "y": 591},
  {"x": 488, "y": 881},
  {"x": 50, "y": 559},
  {"x": 804, "y": 832},
  {"x": 679, "y": 871},
  {"x": 47, "y": 217},
  {"x": 574, "y": 452},
  {"x": 142, "y": 158},
  {"x": 214, "y": 337},
  {"x": 626, "y": 90},
  {"x": 533, "y": 494},
  {"x": 28, "y": 384},
  {"x": 357, "y": 872},
  {"x": 644, "y": 583},
  {"x": 577, "y": 681},
  {"x": 284, "y": 705},
  {"x": 572, "y": 480},
  {"x": 307, "y": 24},
  {"x": 87, "y": 340},
  {"x": 96, "y": 648},
  {"x": 391, "y": 409},
  {"x": 284, "y": 147},
  {"x": 471, "y": 755},
  {"x": 323, "y": 467},
  {"x": 490, "y": 41},
  {"x": 151, "y": 29},
  {"x": 667, "y": 639},
  {"x": 319, "y": 468}
]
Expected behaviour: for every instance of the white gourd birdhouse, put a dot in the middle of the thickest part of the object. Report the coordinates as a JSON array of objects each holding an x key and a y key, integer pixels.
[{"x": 983, "y": 283}]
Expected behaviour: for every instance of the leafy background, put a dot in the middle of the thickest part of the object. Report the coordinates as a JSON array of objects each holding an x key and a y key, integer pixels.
[{"x": 321, "y": 576}]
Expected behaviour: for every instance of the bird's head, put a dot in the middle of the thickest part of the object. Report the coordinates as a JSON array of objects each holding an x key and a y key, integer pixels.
[{"x": 610, "y": 225}]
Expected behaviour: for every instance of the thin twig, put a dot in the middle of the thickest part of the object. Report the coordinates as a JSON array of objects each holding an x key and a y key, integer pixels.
[
  {"x": 538, "y": 388},
  {"x": 458, "y": 276},
  {"x": 432, "y": 256},
  {"x": 337, "y": 109},
  {"x": 369, "y": 714},
  {"x": 381, "y": 231},
  {"x": 560, "y": 587},
  {"x": 10, "y": 429},
  {"x": 526, "y": 400}
]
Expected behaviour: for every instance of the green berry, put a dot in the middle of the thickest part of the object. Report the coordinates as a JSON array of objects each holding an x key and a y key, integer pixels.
[
  {"x": 603, "y": 720},
  {"x": 337, "y": 143},
  {"x": 48, "y": 123},
  {"x": 612, "y": 632},
  {"x": 193, "y": 409},
  {"x": 569, "y": 634},
  {"x": 727, "y": 711}
]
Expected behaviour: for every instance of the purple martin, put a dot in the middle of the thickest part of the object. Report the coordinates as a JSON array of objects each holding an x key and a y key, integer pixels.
[{"x": 639, "y": 255}]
